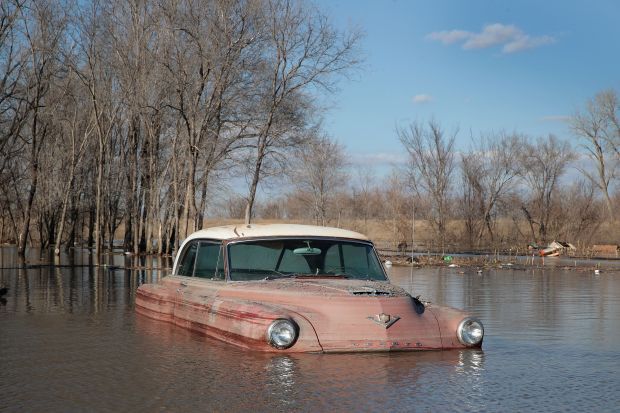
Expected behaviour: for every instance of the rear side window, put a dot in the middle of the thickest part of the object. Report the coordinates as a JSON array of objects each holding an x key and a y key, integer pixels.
[
  {"x": 186, "y": 266},
  {"x": 202, "y": 259}
]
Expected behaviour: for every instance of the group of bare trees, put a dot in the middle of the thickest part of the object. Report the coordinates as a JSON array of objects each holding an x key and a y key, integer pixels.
[
  {"x": 122, "y": 114},
  {"x": 122, "y": 118},
  {"x": 506, "y": 184},
  {"x": 505, "y": 189},
  {"x": 520, "y": 188}
]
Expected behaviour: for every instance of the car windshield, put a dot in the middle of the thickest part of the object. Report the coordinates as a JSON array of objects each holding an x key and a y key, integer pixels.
[{"x": 271, "y": 259}]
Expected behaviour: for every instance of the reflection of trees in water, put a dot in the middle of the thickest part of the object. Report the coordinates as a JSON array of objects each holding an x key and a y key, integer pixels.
[
  {"x": 73, "y": 283},
  {"x": 545, "y": 306}
]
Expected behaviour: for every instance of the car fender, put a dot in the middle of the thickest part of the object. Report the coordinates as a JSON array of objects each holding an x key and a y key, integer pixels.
[
  {"x": 241, "y": 322},
  {"x": 448, "y": 319}
]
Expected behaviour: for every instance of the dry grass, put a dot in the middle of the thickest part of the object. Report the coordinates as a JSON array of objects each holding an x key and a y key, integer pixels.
[{"x": 387, "y": 234}]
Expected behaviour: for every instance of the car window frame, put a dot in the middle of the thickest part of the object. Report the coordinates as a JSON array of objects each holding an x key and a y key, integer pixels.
[{"x": 197, "y": 242}]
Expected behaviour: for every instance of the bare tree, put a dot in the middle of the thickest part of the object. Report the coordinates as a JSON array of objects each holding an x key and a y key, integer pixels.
[
  {"x": 431, "y": 167},
  {"x": 472, "y": 197},
  {"x": 610, "y": 106},
  {"x": 319, "y": 173},
  {"x": 303, "y": 52},
  {"x": 12, "y": 113},
  {"x": 579, "y": 216},
  {"x": 489, "y": 171},
  {"x": 94, "y": 70},
  {"x": 542, "y": 165},
  {"x": 597, "y": 128},
  {"x": 43, "y": 30},
  {"x": 397, "y": 209},
  {"x": 363, "y": 190},
  {"x": 79, "y": 130},
  {"x": 209, "y": 46}
]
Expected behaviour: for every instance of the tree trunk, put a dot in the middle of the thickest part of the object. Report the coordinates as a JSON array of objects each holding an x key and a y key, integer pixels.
[
  {"x": 23, "y": 234},
  {"x": 253, "y": 186},
  {"x": 190, "y": 205},
  {"x": 98, "y": 201},
  {"x": 63, "y": 213},
  {"x": 609, "y": 203}
]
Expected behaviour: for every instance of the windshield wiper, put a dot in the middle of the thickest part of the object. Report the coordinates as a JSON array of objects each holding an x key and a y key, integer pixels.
[{"x": 277, "y": 275}]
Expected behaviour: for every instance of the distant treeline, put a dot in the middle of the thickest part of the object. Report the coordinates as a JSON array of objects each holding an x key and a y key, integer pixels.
[
  {"x": 505, "y": 190},
  {"x": 129, "y": 118}
]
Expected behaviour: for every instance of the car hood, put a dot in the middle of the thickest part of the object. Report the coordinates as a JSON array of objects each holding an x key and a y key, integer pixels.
[
  {"x": 349, "y": 315},
  {"x": 317, "y": 286}
]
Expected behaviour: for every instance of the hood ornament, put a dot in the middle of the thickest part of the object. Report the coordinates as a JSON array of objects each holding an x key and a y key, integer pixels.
[{"x": 384, "y": 320}]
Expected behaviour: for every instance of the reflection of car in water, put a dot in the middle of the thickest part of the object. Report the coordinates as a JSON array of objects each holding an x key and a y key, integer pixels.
[{"x": 298, "y": 288}]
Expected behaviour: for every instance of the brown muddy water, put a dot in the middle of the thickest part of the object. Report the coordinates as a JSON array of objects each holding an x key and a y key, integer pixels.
[{"x": 70, "y": 341}]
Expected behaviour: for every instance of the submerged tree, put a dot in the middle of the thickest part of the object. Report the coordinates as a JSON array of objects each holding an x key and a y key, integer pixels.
[{"x": 44, "y": 24}]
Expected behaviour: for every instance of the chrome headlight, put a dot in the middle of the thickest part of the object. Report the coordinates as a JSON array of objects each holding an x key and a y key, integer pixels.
[
  {"x": 282, "y": 333},
  {"x": 470, "y": 332}
]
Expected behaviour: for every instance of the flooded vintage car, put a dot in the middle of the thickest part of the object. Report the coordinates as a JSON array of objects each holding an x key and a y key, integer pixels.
[{"x": 298, "y": 288}]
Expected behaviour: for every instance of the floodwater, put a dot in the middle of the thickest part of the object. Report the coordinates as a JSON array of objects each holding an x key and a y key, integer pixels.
[{"x": 71, "y": 341}]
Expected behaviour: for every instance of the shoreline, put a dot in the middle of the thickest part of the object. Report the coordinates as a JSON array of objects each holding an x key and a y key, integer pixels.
[{"x": 519, "y": 262}]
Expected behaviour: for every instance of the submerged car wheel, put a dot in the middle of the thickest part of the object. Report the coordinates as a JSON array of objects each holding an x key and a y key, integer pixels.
[
  {"x": 470, "y": 332},
  {"x": 282, "y": 333}
]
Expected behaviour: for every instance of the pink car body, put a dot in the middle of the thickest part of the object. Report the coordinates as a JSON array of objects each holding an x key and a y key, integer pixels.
[{"x": 243, "y": 285}]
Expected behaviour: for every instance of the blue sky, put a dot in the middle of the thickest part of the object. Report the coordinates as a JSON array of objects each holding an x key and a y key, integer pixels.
[{"x": 478, "y": 66}]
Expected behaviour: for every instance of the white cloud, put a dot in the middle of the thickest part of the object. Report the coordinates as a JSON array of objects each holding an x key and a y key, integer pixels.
[
  {"x": 491, "y": 35},
  {"x": 511, "y": 37},
  {"x": 526, "y": 42},
  {"x": 423, "y": 98}
]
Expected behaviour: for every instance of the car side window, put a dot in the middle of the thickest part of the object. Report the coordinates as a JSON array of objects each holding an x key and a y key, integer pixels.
[
  {"x": 202, "y": 259},
  {"x": 356, "y": 258},
  {"x": 186, "y": 266},
  {"x": 210, "y": 261}
]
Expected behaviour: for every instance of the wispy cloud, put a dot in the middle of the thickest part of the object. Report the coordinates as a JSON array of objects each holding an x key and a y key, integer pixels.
[
  {"x": 449, "y": 37},
  {"x": 510, "y": 37},
  {"x": 378, "y": 159},
  {"x": 555, "y": 118},
  {"x": 422, "y": 98}
]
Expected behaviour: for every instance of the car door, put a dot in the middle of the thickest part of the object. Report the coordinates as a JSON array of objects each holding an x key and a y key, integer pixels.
[{"x": 201, "y": 275}]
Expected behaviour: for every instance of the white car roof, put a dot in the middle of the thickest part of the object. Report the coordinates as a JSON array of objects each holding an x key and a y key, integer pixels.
[{"x": 232, "y": 232}]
